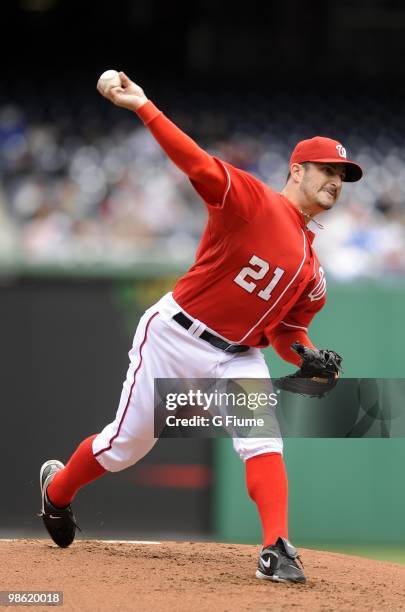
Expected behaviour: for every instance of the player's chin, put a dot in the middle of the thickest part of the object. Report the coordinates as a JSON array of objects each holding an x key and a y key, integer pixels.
[{"x": 326, "y": 201}]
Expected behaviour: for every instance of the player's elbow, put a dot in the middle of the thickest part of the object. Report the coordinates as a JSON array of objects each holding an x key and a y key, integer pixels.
[{"x": 204, "y": 173}]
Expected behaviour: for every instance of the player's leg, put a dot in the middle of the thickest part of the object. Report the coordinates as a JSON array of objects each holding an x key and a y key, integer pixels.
[
  {"x": 162, "y": 349},
  {"x": 168, "y": 352},
  {"x": 266, "y": 476},
  {"x": 81, "y": 469},
  {"x": 59, "y": 483}
]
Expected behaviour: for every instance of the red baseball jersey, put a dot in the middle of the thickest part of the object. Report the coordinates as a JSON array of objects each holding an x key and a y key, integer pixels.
[
  {"x": 256, "y": 279},
  {"x": 256, "y": 273}
]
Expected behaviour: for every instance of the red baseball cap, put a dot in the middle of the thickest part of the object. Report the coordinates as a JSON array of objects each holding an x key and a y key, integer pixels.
[{"x": 322, "y": 150}]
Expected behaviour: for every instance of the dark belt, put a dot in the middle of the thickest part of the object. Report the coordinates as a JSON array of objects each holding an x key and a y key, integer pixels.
[{"x": 185, "y": 322}]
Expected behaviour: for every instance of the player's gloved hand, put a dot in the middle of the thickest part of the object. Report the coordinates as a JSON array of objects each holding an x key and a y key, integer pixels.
[
  {"x": 317, "y": 375},
  {"x": 129, "y": 95}
]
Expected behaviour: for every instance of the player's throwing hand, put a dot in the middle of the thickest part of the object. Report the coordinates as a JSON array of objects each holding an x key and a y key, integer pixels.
[{"x": 129, "y": 95}]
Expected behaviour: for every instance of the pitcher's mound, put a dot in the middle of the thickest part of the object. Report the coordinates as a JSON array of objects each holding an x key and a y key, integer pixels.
[{"x": 186, "y": 576}]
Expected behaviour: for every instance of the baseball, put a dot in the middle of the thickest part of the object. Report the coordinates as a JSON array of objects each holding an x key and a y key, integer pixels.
[{"x": 109, "y": 78}]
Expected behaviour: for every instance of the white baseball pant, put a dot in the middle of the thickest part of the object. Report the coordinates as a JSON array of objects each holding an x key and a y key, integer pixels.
[{"x": 164, "y": 349}]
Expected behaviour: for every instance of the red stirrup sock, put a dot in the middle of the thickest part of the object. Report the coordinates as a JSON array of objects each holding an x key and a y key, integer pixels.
[
  {"x": 266, "y": 480},
  {"x": 81, "y": 469}
]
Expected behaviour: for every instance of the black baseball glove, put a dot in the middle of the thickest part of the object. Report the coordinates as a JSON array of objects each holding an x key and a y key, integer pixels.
[{"x": 317, "y": 375}]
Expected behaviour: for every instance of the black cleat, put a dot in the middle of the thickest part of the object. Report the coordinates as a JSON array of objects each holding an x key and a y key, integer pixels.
[
  {"x": 278, "y": 562},
  {"x": 59, "y": 522}
]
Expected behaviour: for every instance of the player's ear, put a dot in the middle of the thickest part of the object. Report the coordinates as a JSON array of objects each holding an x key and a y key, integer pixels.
[{"x": 297, "y": 172}]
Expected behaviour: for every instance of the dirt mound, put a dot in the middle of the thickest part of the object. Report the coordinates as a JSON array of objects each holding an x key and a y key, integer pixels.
[{"x": 186, "y": 576}]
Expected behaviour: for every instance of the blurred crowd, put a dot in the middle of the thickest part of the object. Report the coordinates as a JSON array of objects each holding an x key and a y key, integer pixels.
[{"x": 84, "y": 186}]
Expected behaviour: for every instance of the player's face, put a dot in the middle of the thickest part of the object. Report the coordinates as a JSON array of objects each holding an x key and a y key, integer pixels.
[{"x": 321, "y": 184}]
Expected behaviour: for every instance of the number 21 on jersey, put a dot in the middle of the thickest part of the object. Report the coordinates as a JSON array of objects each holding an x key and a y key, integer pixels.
[{"x": 262, "y": 267}]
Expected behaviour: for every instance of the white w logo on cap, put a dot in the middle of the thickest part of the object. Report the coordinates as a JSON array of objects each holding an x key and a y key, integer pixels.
[{"x": 341, "y": 150}]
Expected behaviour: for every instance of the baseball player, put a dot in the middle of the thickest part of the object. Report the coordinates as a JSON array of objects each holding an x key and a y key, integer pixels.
[{"x": 256, "y": 280}]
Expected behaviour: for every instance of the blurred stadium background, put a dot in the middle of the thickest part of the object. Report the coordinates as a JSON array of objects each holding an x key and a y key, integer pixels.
[{"x": 95, "y": 224}]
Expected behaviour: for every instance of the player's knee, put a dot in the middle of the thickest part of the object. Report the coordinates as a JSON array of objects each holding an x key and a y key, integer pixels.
[
  {"x": 248, "y": 448},
  {"x": 122, "y": 455}
]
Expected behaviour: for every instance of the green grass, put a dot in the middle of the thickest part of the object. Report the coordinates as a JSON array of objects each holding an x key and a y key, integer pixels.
[{"x": 392, "y": 552}]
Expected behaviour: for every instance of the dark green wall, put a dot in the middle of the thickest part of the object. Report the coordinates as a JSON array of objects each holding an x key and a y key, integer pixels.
[
  {"x": 344, "y": 491},
  {"x": 364, "y": 322}
]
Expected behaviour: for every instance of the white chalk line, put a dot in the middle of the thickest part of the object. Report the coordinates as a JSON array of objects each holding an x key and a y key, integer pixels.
[
  {"x": 126, "y": 541},
  {"x": 96, "y": 541}
]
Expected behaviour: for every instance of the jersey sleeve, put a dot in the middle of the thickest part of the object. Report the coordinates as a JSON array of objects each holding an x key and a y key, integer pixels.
[
  {"x": 242, "y": 196},
  {"x": 202, "y": 169},
  {"x": 220, "y": 185},
  {"x": 294, "y": 327}
]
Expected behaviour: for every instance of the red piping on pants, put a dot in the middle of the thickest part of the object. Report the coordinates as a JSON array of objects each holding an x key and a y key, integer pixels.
[{"x": 130, "y": 393}]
